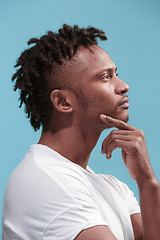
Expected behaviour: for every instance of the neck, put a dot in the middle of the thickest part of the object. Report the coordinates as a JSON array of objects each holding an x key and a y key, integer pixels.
[{"x": 73, "y": 143}]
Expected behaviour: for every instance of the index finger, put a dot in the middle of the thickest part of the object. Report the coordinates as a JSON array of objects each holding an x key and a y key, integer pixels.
[{"x": 117, "y": 123}]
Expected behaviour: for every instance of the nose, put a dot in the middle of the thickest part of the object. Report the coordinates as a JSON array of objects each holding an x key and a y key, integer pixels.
[{"x": 121, "y": 87}]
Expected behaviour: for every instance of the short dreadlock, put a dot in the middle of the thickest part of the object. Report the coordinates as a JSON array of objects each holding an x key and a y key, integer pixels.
[{"x": 37, "y": 61}]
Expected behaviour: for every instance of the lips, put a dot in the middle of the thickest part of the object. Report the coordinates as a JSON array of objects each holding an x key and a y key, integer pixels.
[{"x": 124, "y": 102}]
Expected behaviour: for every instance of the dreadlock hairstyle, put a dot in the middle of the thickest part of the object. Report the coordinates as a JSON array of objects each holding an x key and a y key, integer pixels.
[{"x": 37, "y": 61}]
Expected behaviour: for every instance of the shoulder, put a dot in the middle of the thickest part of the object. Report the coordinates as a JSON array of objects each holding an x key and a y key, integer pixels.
[
  {"x": 114, "y": 182},
  {"x": 44, "y": 172},
  {"x": 118, "y": 186}
]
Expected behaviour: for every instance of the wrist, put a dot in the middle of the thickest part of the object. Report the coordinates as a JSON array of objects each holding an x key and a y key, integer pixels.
[
  {"x": 146, "y": 175},
  {"x": 148, "y": 183}
]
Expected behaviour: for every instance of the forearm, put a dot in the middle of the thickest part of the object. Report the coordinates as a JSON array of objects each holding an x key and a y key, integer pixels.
[
  {"x": 135, "y": 156},
  {"x": 149, "y": 193}
]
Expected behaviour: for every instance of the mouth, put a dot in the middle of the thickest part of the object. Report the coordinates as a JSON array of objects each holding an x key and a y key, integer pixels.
[{"x": 124, "y": 103}]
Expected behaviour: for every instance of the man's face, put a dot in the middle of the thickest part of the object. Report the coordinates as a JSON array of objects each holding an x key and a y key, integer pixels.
[{"x": 94, "y": 74}]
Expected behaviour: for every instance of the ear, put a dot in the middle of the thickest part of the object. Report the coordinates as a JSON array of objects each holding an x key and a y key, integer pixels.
[{"x": 61, "y": 100}]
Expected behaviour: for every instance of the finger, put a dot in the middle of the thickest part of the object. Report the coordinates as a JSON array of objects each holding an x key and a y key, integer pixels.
[
  {"x": 118, "y": 143},
  {"x": 107, "y": 146},
  {"x": 116, "y": 123},
  {"x": 116, "y": 134}
]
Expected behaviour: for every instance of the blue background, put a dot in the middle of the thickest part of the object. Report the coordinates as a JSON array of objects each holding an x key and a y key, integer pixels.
[{"x": 133, "y": 30}]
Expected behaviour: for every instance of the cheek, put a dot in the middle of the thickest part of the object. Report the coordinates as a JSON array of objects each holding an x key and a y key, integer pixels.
[{"x": 103, "y": 101}]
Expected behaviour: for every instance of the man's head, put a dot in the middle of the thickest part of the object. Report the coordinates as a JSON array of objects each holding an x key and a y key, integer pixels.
[
  {"x": 95, "y": 76},
  {"x": 43, "y": 68},
  {"x": 66, "y": 73}
]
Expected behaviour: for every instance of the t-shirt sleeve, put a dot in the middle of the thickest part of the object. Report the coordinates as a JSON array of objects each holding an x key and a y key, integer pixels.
[
  {"x": 75, "y": 208},
  {"x": 131, "y": 200},
  {"x": 71, "y": 222}
]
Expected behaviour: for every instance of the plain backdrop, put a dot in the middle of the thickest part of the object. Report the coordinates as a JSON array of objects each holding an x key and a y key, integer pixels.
[{"x": 133, "y": 31}]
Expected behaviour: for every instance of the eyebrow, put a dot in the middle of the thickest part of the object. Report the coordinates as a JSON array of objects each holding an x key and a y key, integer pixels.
[{"x": 106, "y": 70}]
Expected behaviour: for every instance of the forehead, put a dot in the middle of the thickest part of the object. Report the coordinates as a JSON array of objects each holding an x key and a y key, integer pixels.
[
  {"x": 83, "y": 66},
  {"x": 93, "y": 60}
]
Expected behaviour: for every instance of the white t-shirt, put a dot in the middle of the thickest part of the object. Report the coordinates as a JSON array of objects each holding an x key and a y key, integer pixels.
[{"x": 48, "y": 197}]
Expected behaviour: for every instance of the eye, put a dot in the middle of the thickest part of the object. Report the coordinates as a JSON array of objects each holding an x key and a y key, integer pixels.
[
  {"x": 117, "y": 74},
  {"x": 105, "y": 77}
]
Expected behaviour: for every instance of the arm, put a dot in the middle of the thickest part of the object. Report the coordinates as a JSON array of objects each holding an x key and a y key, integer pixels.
[
  {"x": 136, "y": 159},
  {"x": 136, "y": 220},
  {"x": 149, "y": 193},
  {"x": 96, "y": 233}
]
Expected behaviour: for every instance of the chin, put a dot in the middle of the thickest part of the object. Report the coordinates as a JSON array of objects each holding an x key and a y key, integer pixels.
[{"x": 123, "y": 116}]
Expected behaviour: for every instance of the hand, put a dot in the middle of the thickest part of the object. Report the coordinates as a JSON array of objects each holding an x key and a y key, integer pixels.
[{"x": 134, "y": 150}]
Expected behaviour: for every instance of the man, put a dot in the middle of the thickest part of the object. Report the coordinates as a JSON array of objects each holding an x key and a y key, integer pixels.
[{"x": 69, "y": 86}]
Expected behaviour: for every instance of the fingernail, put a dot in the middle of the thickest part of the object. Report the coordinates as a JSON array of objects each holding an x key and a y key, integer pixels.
[
  {"x": 103, "y": 116},
  {"x": 108, "y": 117},
  {"x": 102, "y": 151},
  {"x": 107, "y": 156}
]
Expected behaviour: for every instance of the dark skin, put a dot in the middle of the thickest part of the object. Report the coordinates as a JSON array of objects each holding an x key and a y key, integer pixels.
[
  {"x": 76, "y": 125},
  {"x": 72, "y": 123}
]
